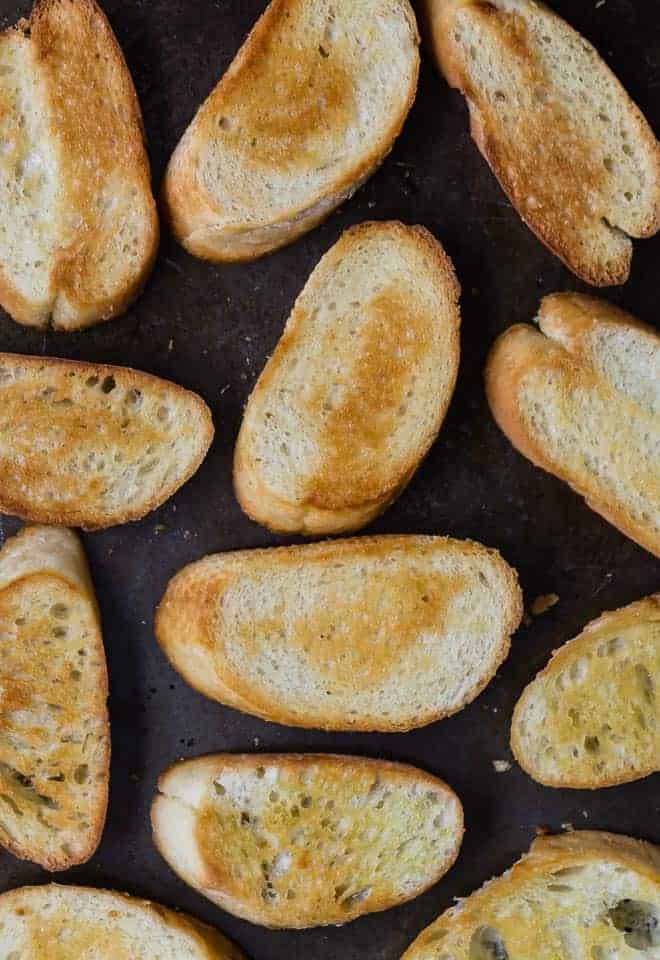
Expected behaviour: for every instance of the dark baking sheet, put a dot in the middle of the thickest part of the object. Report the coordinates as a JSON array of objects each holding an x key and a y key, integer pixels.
[{"x": 221, "y": 323}]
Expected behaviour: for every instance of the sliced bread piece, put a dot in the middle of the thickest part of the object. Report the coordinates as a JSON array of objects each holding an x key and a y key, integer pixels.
[
  {"x": 77, "y": 923},
  {"x": 303, "y": 841},
  {"x": 90, "y": 445},
  {"x": 79, "y": 229},
  {"x": 54, "y": 729},
  {"x": 592, "y": 718},
  {"x": 569, "y": 147},
  {"x": 358, "y": 386},
  {"x": 584, "y": 895},
  {"x": 307, "y": 111},
  {"x": 377, "y": 633},
  {"x": 581, "y": 398}
]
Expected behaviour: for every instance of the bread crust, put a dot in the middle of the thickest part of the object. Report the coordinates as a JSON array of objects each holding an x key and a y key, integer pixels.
[
  {"x": 194, "y": 216},
  {"x": 565, "y": 319},
  {"x": 83, "y": 125},
  {"x": 500, "y": 153},
  {"x": 569, "y": 653},
  {"x": 205, "y": 769},
  {"x": 210, "y": 944},
  {"x": 43, "y": 554},
  {"x": 186, "y": 628},
  {"x": 547, "y": 854},
  {"x": 310, "y": 516},
  {"x": 97, "y": 518}
]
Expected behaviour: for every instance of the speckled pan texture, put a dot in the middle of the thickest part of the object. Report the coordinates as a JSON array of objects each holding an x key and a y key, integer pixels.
[{"x": 210, "y": 329}]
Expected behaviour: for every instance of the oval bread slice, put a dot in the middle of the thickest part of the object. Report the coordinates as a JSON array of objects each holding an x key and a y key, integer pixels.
[
  {"x": 89, "y": 445},
  {"x": 592, "y": 718},
  {"x": 303, "y": 841},
  {"x": 72, "y": 923},
  {"x": 310, "y": 107},
  {"x": 358, "y": 386},
  {"x": 581, "y": 895},
  {"x": 376, "y": 633},
  {"x": 580, "y": 397},
  {"x": 569, "y": 147},
  {"x": 54, "y": 728},
  {"x": 78, "y": 221}
]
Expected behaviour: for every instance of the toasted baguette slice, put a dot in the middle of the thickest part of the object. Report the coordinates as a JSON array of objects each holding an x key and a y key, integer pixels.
[
  {"x": 592, "y": 718},
  {"x": 581, "y": 399},
  {"x": 78, "y": 224},
  {"x": 89, "y": 445},
  {"x": 54, "y": 730},
  {"x": 378, "y": 633},
  {"x": 76, "y": 923},
  {"x": 358, "y": 386},
  {"x": 569, "y": 147},
  {"x": 304, "y": 841},
  {"x": 307, "y": 111},
  {"x": 583, "y": 895}
]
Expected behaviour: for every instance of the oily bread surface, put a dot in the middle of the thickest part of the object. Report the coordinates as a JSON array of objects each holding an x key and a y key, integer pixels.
[
  {"x": 53, "y": 922},
  {"x": 80, "y": 228},
  {"x": 591, "y": 718},
  {"x": 377, "y": 633},
  {"x": 249, "y": 833},
  {"x": 569, "y": 147},
  {"x": 310, "y": 106},
  {"x": 54, "y": 727},
  {"x": 580, "y": 397},
  {"x": 568, "y": 894},
  {"x": 92, "y": 445},
  {"x": 358, "y": 386}
]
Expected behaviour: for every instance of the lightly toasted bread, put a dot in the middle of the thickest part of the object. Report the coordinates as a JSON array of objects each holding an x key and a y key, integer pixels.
[
  {"x": 300, "y": 841},
  {"x": 90, "y": 445},
  {"x": 591, "y": 719},
  {"x": 54, "y": 728},
  {"x": 571, "y": 150},
  {"x": 377, "y": 633},
  {"x": 52, "y": 922},
  {"x": 580, "y": 397},
  {"x": 78, "y": 224},
  {"x": 310, "y": 107},
  {"x": 358, "y": 386},
  {"x": 582, "y": 895}
]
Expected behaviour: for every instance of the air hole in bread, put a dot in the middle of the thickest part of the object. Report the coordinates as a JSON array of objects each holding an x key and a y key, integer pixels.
[
  {"x": 592, "y": 744},
  {"x": 109, "y": 384},
  {"x": 645, "y": 681},
  {"x": 608, "y": 163},
  {"x": 628, "y": 150},
  {"x": 60, "y": 611},
  {"x": 638, "y": 921},
  {"x": 487, "y": 944}
]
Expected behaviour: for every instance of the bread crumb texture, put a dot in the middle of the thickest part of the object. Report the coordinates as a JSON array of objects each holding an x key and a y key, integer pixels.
[
  {"x": 264, "y": 825},
  {"x": 583, "y": 895},
  {"x": 592, "y": 717},
  {"x": 77, "y": 238},
  {"x": 71, "y": 923},
  {"x": 54, "y": 734},
  {"x": 572, "y": 151},
  {"x": 91, "y": 446}
]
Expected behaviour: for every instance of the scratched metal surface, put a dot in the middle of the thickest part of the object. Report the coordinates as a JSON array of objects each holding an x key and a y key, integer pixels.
[{"x": 223, "y": 322}]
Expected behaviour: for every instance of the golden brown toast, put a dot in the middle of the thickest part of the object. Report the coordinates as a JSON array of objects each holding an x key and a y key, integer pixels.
[
  {"x": 78, "y": 222},
  {"x": 54, "y": 728}
]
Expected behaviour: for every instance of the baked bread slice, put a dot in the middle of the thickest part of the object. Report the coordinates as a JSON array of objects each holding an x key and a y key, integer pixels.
[
  {"x": 54, "y": 729},
  {"x": 580, "y": 397},
  {"x": 72, "y": 923},
  {"x": 89, "y": 445},
  {"x": 376, "y": 633},
  {"x": 584, "y": 895},
  {"x": 358, "y": 386},
  {"x": 78, "y": 222},
  {"x": 302, "y": 841},
  {"x": 569, "y": 147},
  {"x": 592, "y": 718},
  {"x": 310, "y": 107}
]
